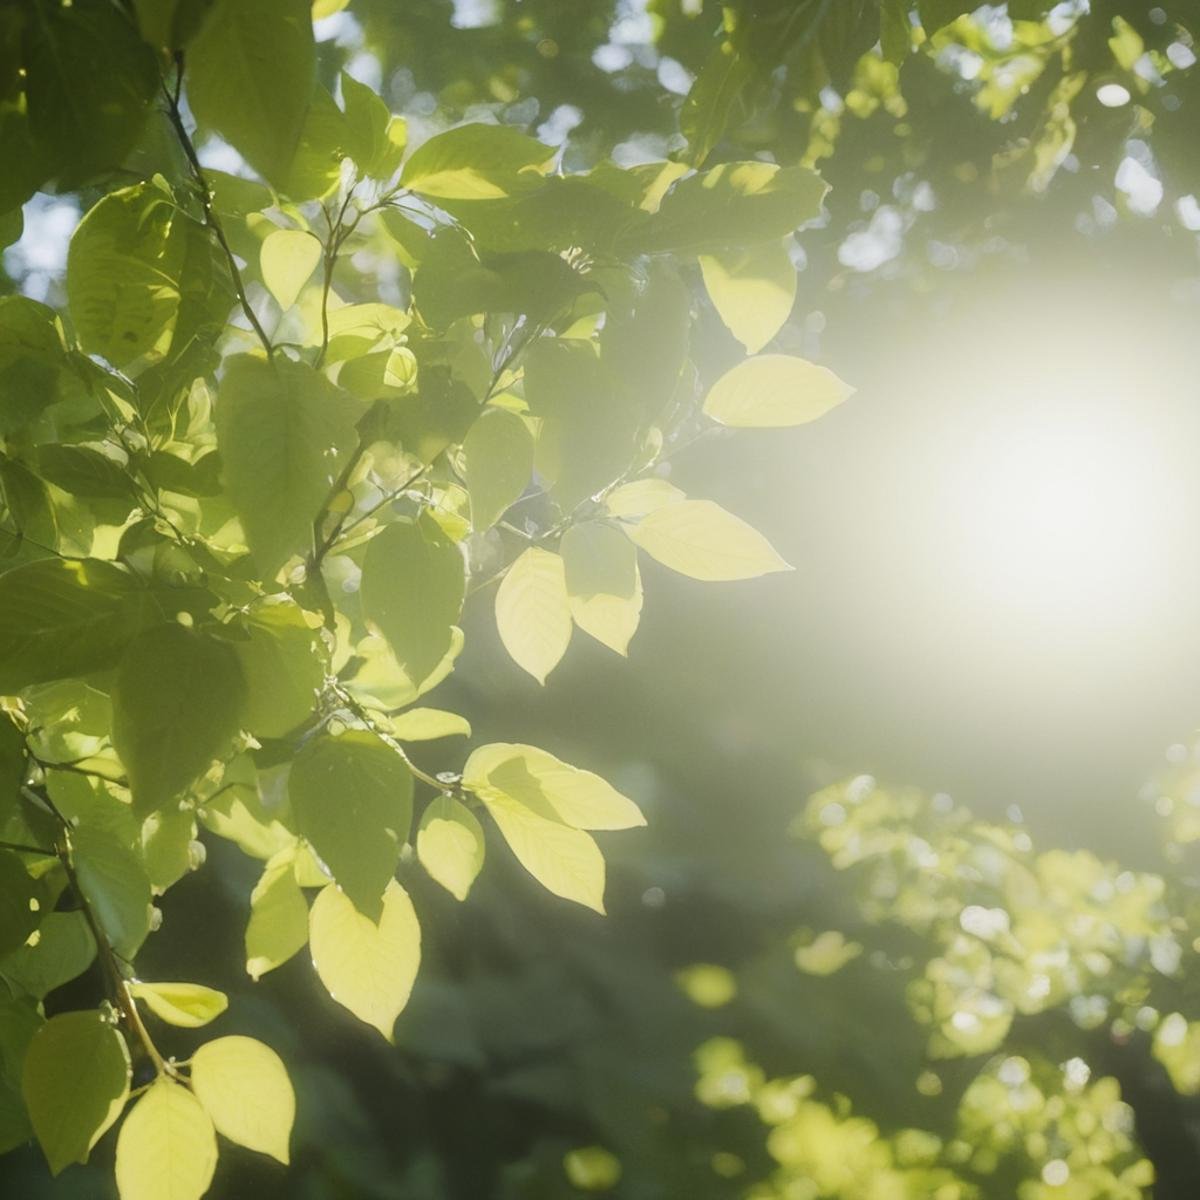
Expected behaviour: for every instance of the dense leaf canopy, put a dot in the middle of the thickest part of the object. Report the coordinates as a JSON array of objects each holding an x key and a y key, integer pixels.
[{"x": 375, "y": 318}]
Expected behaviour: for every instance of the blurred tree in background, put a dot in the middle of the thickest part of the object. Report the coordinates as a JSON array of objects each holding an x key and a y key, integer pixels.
[{"x": 388, "y": 336}]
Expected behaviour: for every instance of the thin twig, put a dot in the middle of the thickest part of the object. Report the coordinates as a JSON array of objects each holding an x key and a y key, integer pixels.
[{"x": 210, "y": 214}]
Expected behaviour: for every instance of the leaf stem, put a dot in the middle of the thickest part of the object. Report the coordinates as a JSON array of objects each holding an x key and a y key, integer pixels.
[
  {"x": 384, "y": 736},
  {"x": 118, "y": 984},
  {"x": 210, "y": 215}
]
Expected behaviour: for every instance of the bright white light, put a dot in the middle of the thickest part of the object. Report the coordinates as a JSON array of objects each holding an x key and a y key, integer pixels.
[
  {"x": 1056, "y": 510},
  {"x": 1113, "y": 95}
]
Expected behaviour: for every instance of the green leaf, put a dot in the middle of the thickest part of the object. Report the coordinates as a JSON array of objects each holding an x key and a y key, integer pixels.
[
  {"x": 644, "y": 344},
  {"x": 548, "y": 787},
  {"x": 278, "y": 926},
  {"x": 427, "y": 724},
  {"x": 734, "y": 205},
  {"x": 177, "y": 704},
  {"x": 283, "y": 663},
  {"x": 753, "y": 290},
  {"x": 188, "y": 1005},
  {"x": 123, "y": 275},
  {"x": 413, "y": 584},
  {"x": 352, "y": 800},
  {"x": 634, "y": 500},
  {"x": 709, "y": 104},
  {"x": 245, "y": 1089},
  {"x": 287, "y": 259},
  {"x": 498, "y": 453},
  {"x": 114, "y": 881},
  {"x": 366, "y": 966},
  {"x": 937, "y": 14},
  {"x": 589, "y": 429},
  {"x": 316, "y": 166},
  {"x": 284, "y": 432},
  {"x": 895, "y": 31},
  {"x": 700, "y": 539},
  {"x": 604, "y": 586},
  {"x": 83, "y": 120},
  {"x": 83, "y": 471},
  {"x": 477, "y": 162},
  {"x": 18, "y": 894},
  {"x": 32, "y": 360},
  {"x": 166, "y": 844},
  {"x": 60, "y": 618},
  {"x": 61, "y": 950},
  {"x": 376, "y": 139},
  {"x": 565, "y": 861},
  {"x": 250, "y": 75},
  {"x": 450, "y": 845},
  {"x": 533, "y": 612},
  {"x": 167, "y": 1149},
  {"x": 774, "y": 390},
  {"x": 75, "y": 1082}
]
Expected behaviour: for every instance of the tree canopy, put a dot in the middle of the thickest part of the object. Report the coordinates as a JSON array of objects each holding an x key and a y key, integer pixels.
[{"x": 374, "y": 318}]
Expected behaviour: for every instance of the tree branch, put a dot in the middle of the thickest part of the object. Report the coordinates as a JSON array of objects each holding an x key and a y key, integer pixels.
[{"x": 210, "y": 215}]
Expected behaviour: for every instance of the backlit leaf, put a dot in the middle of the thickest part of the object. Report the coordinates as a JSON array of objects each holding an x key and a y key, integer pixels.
[
  {"x": 287, "y": 259},
  {"x": 75, "y": 1082},
  {"x": 352, "y": 800},
  {"x": 634, "y": 500},
  {"x": 278, "y": 925},
  {"x": 565, "y": 861},
  {"x": 477, "y": 162},
  {"x": 548, "y": 787},
  {"x": 123, "y": 271},
  {"x": 533, "y": 613},
  {"x": 700, "y": 539},
  {"x": 426, "y": 724},
  {"x": 166, "y": 1149},
  {"x": 450, "y": 845},
  {"x": 753, "y": 290},
  {"x": 188, "y": 1005},
  {"x": 283, "y": 431},
  {"x": 774, "y": 390},
  {"x": 283, "y": 664},
  {"x": 245, "y": 1089},
  {"x": 116, "y": 886},
  {"x": 499, "y": 462},
  {"x": 60, "y": 618},
  {"x": 367, "y": 967},
  {"x": 250, "y": 75},
  {"x": 604, "y": 585},
  {"x": 176, "y": 705},
  {"x": 413, "y": 584}
]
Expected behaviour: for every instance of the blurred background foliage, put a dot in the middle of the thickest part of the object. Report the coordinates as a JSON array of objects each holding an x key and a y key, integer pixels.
[{"x": 874, "y": 993}]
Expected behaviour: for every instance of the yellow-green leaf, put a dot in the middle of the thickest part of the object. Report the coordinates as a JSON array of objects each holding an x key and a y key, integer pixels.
[
  {"x": 565, "y": 861},
  {"x": 753, "y": 290},
  {"x": 604, "y": 586},
  {"x": 533, "y": 613},
  {"x": 450, "y": 845},
  {"x": 700, "y": 539},
  {"x": 189, "y": 1005},
  {"x": 499, "y": 462},
  {"x": 774, "y": 390},
  {"x": 287, "y": 258},
  {"x": 548, "y": 787},
  {"x": 244, "y": 1087},
  {"x": 635, "y": 500},
  {"x": 477, "y": 162},
  {"x": 75, "y": 1081},
  {"x": 167, "y": 1149},
  {"x": 367, "y": 967},
  {"x": 413, "y": 583},
  {"x": 426, "y": 724},
  {"x": 278, "y": 925}
]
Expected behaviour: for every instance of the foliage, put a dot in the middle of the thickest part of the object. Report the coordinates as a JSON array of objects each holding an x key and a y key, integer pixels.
[{"x": 282, "y": 428}]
